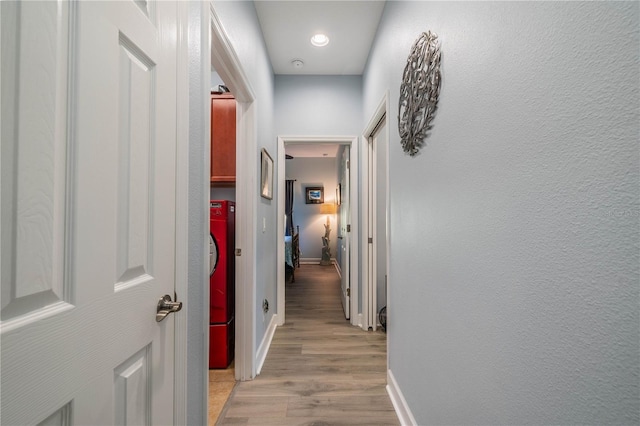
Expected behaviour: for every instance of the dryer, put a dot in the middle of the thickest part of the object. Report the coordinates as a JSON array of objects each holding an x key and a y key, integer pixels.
[{"x": 221, "y": 283}]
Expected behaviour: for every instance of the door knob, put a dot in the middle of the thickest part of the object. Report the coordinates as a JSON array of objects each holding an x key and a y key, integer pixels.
[{"x": 166, "y": 306}]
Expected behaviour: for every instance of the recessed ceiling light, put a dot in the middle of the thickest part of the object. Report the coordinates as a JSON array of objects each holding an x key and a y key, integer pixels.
[
  {"x": 319, "y": 40},
  {"x": 297, "y": 63}
]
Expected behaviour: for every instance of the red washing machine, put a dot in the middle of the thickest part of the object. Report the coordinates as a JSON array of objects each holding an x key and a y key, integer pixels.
[{"x": 222, "y": 269}]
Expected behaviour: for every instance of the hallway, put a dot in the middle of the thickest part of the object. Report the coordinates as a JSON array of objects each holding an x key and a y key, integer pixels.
[{"x": 320, "y": 370}]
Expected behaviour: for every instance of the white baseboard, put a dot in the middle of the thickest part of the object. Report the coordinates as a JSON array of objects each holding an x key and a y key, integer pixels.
[
  {"x": 263, "y": 350},
  {"x": 398, "y": 401}
]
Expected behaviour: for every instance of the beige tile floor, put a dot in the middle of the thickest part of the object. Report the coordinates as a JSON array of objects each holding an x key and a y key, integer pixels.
[{"x": 221, "y": 383}]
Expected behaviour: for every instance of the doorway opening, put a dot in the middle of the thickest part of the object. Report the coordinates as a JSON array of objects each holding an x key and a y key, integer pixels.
[
  {"x": 339, "y": 196},
  {"x": 231, "y": 75}
]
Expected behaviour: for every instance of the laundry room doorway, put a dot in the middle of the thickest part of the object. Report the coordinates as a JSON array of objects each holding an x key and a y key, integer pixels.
[{"x": 231, "y": 77}]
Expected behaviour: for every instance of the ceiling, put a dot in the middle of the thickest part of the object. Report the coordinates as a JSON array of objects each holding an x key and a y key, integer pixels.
[{"x": 287, "y": 27}]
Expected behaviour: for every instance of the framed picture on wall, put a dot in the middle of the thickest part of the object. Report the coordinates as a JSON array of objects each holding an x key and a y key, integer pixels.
[
  {"x": 266, "y": 175},
  {"x": 314, "y": 195},
  {"x": 339, "y": 194}
]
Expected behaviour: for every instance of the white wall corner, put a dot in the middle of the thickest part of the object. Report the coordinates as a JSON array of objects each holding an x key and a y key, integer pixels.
[
  {"x": 399, "y": 403},
  {"x": 263, "y": 350}
]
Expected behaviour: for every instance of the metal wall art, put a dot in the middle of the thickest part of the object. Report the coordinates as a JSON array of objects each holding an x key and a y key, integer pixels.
[{"x": 419, "y": 92}]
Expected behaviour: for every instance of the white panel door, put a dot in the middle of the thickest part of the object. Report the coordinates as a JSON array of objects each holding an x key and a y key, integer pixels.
[
  {"x": 344, "y": 238},
  {"x": 88, "y": 211}
]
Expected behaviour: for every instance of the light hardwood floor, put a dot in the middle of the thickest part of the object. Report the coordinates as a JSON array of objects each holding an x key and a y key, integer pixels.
[{"x": 320, "y": 370}]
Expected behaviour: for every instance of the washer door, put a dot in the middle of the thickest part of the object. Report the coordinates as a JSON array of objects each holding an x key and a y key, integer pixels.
[{"x": 213, "y": 254}]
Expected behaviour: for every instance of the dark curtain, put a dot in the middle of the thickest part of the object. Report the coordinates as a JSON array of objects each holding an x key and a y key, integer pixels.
[{"x": 289, "y": 206}]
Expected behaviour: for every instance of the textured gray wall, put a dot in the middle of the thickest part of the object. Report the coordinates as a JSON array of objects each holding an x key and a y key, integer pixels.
[
  {"x": 514, "y": 279},
  {"x": 318, "y": 105}
]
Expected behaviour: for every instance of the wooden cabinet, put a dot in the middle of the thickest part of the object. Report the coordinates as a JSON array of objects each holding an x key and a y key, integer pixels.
[{"x": 223, "y": 139}]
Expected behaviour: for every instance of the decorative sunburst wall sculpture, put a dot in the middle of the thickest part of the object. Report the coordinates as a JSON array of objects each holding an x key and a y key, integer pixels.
[{"x": 419, "y": 92}]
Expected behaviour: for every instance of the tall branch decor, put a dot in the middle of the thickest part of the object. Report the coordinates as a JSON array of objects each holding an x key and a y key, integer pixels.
[{"x": 419, "y": 92}]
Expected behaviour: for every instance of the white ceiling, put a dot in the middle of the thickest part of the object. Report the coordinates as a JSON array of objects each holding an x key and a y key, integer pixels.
[{"x": 287, "y": 27}]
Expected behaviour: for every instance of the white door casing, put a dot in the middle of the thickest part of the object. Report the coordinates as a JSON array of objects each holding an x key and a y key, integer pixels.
[
  {"x": 380, "y": 205},
  {"x": 372, "y": 240},
  {"x": 353, "y": 142},
  {"x": 376, "y": 215},
  {"x": 89, "y": 127}
]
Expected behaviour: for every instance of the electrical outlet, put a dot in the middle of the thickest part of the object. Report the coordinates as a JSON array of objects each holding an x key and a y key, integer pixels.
[{"x": 265, "y": 306}]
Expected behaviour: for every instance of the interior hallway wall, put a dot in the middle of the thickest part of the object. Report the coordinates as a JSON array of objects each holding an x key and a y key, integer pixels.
[
  {"x": 514, "y": 276},
  {"x": 326, "y": 105},
  {"x": 240, "y": 22}
]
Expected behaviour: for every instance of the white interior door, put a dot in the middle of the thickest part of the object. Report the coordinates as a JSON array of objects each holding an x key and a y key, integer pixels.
[
  {"x": 88, "y": 211},
  {"x": 344, "y": 237}
]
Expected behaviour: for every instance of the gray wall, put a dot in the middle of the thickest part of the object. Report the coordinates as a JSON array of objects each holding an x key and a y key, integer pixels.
[
  {"x": 318, "y": 105},
  {"x": 241, "y": 24},
  {"x": 313, "y": 172},
  {"x": 514, "y": 272}
]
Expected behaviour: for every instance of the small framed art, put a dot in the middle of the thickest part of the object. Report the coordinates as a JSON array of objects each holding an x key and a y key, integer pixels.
[
  {"x": 266, "y": 175},
  {"x": 314, "y": 195}
]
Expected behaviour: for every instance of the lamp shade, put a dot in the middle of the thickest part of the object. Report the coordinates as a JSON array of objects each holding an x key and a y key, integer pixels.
[{"x": 328, "y": 208}]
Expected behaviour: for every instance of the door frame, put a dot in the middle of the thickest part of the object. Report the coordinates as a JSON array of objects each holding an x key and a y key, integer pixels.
[
  {"x": 181, "y": 283},
  {"x": 353, "y": 142},
  {"x": 226, "y": 63},
  {"x": 369, "y": 308}
]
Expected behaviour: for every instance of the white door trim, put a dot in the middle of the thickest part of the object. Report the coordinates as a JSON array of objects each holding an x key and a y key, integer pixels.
[
  {"x": 182, "y": 215},
  {"x": 369, "y": 317},
  {"x": 353, "y": 170},
  {"x": 226, "y": 63}
]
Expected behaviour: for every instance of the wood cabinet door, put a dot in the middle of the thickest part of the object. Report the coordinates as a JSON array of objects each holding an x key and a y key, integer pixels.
[{"x": 223, "y": 139}]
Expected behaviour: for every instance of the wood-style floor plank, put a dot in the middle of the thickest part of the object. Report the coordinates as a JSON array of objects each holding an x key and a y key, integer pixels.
[{"x": 320, "y": 370}]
